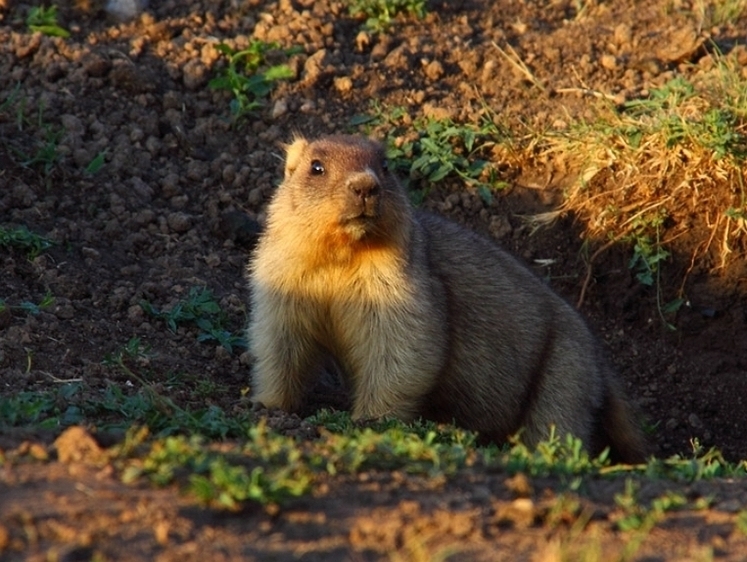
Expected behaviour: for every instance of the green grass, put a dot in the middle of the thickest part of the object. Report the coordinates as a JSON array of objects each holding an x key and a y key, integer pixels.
[
  {"x": 678, "y": 128},
  {"x": 248, "y": 76},
  {"x": 419, "y": 448},
  {"x": 268, "y": 469},
  {"x": 200, "y": 309},
  {"x": 114, "y": 408},
  {"x": 380, "y": 15},
  {"x": 169, "y": 444}
]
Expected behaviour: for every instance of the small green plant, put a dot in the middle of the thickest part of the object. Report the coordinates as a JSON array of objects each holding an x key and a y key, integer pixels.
[
  {"x": 701, "y": 465},
  {"x": 134, "y": 349},
  {"x": 565, "y": 457},
  {"x": 229, "y": 484},
  {"x": 35, "y": 308},
  {"x": 379, "y": 116},
  {"x": 639, "y": 519},
  {"x": 21, "y": 238},
  {"x": 46, "y": 154},
  {"x": 201, "y": 309},
  {"x": 28, "y": 307},
  {"x": 247, "y": 77},
  {"x": 444, "y": 149},
  {"x": 44, "y": 20},
  {"x": 636, "y": 515},
  {"x": 268, "y": 467},
  {"x": 648, "y": 255},
  {"x": 44, "y": 409},
  {"x": 97, "y": 163},
  {"x": 380, "y": 14},
  {"x": 39, "y": 148},
  {"x": 150, "y": 407},
  {"x": 341, "y": 422}
]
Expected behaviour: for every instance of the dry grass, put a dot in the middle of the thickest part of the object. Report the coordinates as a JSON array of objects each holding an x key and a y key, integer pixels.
[{"x": 649, "y": 170}]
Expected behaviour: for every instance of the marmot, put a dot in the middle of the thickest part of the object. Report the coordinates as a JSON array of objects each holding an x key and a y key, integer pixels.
[{"x": 423, "y": 317}]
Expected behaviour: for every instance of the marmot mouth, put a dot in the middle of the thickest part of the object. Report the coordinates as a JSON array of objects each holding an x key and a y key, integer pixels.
[
  {"x": 360, "y": 225},
  {"x": 365, "y": 216}
]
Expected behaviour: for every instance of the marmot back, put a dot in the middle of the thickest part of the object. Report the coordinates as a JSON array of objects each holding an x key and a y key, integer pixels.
[{"x": 424, "y": 317}]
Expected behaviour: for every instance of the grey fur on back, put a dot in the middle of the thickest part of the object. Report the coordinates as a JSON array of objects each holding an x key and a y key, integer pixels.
[{"x": 523, "y": 354}]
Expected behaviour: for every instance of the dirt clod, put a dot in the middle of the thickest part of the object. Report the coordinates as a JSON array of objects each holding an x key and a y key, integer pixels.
[{"x": 75, "y": 444}]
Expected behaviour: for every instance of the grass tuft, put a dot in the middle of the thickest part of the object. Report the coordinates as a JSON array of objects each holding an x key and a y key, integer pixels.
[
  {"x": 201, "y": 309},
  {"x": 268, "y": 470},
  {"x": 168, "y": 444}
]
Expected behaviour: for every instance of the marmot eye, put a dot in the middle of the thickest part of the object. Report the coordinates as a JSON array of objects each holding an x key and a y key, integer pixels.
[
  {"x": 385, "y": 165},
  {"x": 317, "y": 168}
]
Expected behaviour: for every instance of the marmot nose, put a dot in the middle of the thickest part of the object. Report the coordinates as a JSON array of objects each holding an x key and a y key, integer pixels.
[{"x": 363, "y": 185}]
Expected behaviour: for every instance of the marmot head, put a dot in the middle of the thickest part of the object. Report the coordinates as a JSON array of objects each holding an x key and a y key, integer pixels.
[{"x": 344, "y": 182}]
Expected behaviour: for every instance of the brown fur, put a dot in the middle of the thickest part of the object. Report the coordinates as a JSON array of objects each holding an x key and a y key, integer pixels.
[{"x": 424, "y": 317}]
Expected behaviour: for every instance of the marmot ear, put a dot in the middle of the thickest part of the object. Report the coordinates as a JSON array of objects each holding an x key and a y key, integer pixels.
[{"x": 293, "y": 152}]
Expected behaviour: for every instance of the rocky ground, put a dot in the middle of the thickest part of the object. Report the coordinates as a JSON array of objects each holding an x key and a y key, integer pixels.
[{"x": 173, "y": 205}]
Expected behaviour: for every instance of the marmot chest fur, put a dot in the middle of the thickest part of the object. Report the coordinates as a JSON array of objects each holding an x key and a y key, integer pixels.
[{"x": 424, "y": 317}]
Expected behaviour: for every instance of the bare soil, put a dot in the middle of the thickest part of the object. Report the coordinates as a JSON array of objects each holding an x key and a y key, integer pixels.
[{"x": 172, "y": 208}]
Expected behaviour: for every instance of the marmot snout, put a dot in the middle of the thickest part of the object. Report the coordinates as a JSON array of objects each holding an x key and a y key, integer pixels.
[
  {"x": 363, "y": 196},
  {"x": 424, "y": 317}
]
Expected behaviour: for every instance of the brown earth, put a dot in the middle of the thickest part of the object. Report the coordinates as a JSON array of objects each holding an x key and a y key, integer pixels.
[{"x": 160, "y": 217}]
